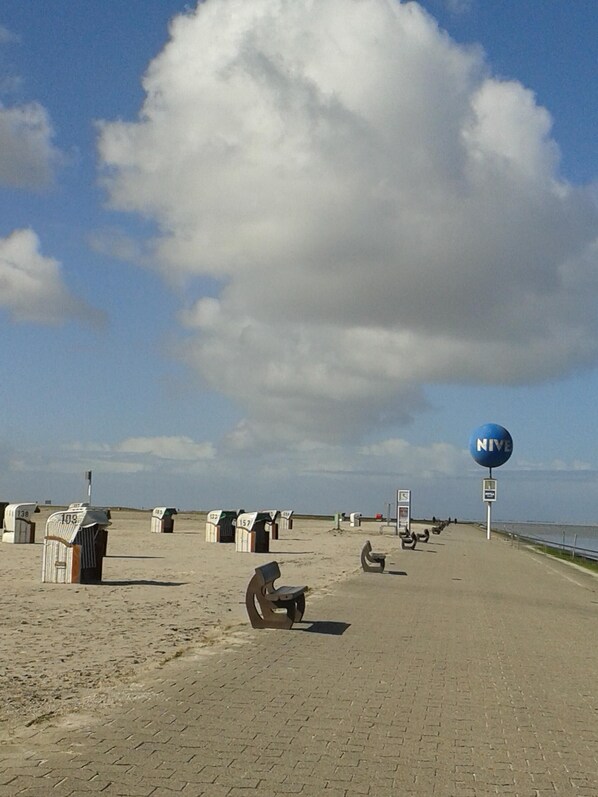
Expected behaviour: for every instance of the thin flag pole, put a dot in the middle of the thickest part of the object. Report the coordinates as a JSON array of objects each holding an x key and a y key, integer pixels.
[{"x": 488, "y": 512}]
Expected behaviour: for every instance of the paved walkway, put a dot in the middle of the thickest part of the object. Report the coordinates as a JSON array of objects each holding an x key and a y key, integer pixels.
[{"x": 469, "y": 669}]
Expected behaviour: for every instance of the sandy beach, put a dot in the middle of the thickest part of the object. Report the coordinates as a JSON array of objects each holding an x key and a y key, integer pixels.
[{"x": 67, "y": 648}]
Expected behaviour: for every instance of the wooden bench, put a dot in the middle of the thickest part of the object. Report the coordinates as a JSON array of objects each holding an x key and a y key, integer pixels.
[
  {"x": 273, "y": 607},
  {"x": 408, "y": 540},
  {"x": 370, "y": 561}
]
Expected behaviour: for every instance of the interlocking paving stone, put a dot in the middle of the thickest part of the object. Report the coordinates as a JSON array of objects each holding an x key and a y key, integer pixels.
[{"x": 474, "y": 674}]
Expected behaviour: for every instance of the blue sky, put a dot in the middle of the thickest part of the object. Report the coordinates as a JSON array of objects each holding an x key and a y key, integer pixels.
[{"x": 291, "y": 255}]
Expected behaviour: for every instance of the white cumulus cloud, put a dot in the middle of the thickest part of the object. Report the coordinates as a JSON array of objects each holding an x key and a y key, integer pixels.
[
  {"x": 32, "y": 287},
  {"x": 381, "y": 213},
  {"x": 28, "y": 155}
]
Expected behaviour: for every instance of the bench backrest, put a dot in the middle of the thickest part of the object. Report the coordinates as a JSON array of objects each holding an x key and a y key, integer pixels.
[
  {"x": 367, "y": 548},
  {"x": 268, "y": 573}
]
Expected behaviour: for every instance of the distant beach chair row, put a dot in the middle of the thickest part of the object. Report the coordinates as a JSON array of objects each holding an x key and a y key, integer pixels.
[
  {"x": 354, "y": 519},
  {"x": 76, "y": 538},
  {"x": 251, "y": 532}
]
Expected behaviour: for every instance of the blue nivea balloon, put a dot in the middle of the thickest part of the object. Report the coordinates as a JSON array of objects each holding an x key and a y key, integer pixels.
[{"x": 490, "y": 445}]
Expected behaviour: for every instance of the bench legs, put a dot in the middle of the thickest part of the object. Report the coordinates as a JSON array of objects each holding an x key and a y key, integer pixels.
[
  {"x": 294, "y": 609},
  {"x": 262, "y": 612},
  {"x": 372, "y": 565}
]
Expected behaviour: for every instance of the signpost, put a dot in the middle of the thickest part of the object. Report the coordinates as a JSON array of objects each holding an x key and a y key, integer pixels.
[
  {"x": 403, "y": 510},
  {"x": 491, "y": 446},
  {"x": 489, "y": 489}
]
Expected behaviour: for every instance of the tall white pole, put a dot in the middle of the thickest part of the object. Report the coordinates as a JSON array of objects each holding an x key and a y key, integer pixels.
[
  {"x": 88, "y": 478},
  {"x": 489, "y": 510}
]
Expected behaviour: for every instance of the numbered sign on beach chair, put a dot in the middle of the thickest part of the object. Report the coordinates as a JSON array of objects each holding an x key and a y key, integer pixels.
[
  {"x": 18, "y": 523},
  {"x": 163, "y": 519},
  {"x": 252, "y": 535},
  {"x": 220, "y": 525},
  {"x": 75, "y": 545}
]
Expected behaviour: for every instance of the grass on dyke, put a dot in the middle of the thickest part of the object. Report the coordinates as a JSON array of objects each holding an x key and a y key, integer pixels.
[
  {"x": 566, "y": 556},
  {"x": 588, "y": 564}
]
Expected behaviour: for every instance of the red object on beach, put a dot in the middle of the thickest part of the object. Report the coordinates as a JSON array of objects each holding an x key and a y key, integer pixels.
[{"x": 379, "y": 516}]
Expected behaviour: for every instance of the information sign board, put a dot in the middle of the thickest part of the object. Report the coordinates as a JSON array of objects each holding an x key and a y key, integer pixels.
[{"x": 489, "y": 489}]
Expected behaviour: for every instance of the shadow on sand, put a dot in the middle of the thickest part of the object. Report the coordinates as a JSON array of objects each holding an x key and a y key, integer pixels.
[
  {"x": 323, "y": 627},
  {"x": 142, "y": 582},
  {"x": 112, "y": 556}
]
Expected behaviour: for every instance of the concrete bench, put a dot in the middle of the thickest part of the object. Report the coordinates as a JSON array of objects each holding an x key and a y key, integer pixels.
[
  {"x": 424, "y": 535},
  {"x": 269, "y": 606},
  {"x": 408, "y": 540},
  {"x": 372, "y": 562},
  {"x": 439, "y": 527}
]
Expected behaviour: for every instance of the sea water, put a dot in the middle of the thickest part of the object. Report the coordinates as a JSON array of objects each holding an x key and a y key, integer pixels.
[{"x": 582, "y": 540}]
